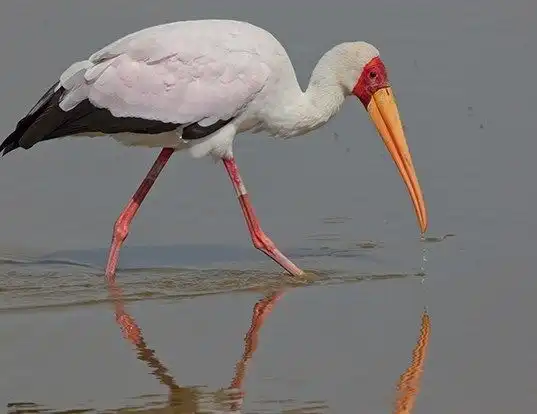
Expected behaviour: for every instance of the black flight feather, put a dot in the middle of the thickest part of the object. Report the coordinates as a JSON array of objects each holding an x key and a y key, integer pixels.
[{"x": 46, "y": 120}]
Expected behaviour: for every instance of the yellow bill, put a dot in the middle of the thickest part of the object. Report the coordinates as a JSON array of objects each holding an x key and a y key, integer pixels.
[{"x": 384, "y": 113}]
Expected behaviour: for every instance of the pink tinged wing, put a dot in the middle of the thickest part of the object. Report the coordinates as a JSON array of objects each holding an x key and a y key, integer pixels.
[{"x": 172, "y": 76}]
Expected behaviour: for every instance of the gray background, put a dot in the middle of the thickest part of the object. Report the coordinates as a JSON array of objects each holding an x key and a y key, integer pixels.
[{"x": 463, "y": 75}]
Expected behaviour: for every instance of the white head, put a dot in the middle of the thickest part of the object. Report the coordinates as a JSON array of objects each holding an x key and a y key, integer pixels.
[
  {"x": 348, "y": 61},
  {"x": 358, "y": 70}
]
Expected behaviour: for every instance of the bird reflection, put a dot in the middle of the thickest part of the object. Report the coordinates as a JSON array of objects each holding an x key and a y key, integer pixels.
[
  {"x": 262, "y": 309},
  {"x": 187, "y": 399},
  {"x": 409, "y": 382}
]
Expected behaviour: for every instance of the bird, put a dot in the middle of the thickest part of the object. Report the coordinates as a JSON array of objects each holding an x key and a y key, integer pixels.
[{"x": 194, "y": 85}]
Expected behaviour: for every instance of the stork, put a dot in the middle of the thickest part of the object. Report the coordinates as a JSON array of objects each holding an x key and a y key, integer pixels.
[{"x": 194, "y": 85}]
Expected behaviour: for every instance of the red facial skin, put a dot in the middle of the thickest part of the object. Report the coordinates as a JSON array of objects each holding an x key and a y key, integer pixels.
[{"x": 373, "y": 78}]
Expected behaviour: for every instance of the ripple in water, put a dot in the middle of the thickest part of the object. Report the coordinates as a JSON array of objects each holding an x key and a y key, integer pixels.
[{"x": 76, "y": 278}]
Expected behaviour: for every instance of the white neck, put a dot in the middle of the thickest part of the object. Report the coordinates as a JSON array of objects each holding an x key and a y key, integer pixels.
[{"x": 300, "y": 112}]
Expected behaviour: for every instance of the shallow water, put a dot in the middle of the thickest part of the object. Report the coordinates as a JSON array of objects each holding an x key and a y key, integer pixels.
[
  {"x": 206, "y": 323},
  {"x": 388, "y": 323}
]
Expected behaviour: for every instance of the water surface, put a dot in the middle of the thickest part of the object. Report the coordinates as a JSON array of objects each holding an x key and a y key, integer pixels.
[{"x": 391, "y": 323}]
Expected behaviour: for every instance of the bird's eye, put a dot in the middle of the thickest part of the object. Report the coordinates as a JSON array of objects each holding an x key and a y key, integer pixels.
[{"x": 373, "y": 75}]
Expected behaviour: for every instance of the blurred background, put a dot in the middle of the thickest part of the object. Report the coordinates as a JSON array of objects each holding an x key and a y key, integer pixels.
[{"x": 462, "y": 72}]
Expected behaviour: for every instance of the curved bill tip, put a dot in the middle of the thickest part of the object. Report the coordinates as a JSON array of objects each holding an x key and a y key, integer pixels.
[{"x": 385, "y": 115}]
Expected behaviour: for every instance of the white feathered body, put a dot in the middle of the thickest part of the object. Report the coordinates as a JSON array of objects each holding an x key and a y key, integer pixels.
[{"x": 191, "y": 72}]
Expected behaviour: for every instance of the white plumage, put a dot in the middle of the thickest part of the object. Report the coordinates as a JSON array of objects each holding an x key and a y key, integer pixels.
[
  {"x": 195, "y": 85},
  {"x": 183, "y": 72}
]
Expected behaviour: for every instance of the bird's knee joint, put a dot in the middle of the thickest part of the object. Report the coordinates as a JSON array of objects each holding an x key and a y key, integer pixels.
[
  {"x": 263, "y": 243},
  {"x": 258, "y": 244},
  {"x": 121, "y": 231}
]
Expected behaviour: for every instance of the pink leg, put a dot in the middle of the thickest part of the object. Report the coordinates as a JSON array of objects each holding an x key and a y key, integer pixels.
[
  {"x": 121, "y": 228},
  {"x": 259, "y": 238}
]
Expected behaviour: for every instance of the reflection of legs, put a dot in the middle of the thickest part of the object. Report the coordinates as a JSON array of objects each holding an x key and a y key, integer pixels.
[
  {"x": 132, "y": 332},
  {"x": 129, "y": 327},
  {"x": 262, "y": 310},
  {"x": 259, "y": 238},
  {"x": 121, "y": 228}
]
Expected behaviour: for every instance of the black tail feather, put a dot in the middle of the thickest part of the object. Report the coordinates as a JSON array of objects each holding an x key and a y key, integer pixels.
[
  {"x": 47, "y": 120},
  {"x": 12, "y": 142}
]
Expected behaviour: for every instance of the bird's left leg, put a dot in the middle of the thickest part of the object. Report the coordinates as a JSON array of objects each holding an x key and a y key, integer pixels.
[
  {"x": 259, "y": 238},
  {"x": 121, "y": 228}
]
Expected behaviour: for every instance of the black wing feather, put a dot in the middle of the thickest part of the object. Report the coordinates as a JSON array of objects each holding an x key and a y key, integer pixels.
[{"x": 46, "y": 120}]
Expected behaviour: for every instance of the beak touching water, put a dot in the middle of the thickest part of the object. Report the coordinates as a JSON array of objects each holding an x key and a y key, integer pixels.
[{"x": 383, "y": 111}]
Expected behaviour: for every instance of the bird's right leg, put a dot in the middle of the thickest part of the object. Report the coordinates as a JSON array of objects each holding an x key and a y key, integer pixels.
[
  {"x": 260, "y": 240},
  {"x": 121, "y": 227}
]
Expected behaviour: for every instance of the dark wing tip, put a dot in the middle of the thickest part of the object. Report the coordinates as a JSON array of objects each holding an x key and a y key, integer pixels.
[
  {"x": 12, "y": 142},
  {"x": 8, "y": 148}
]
